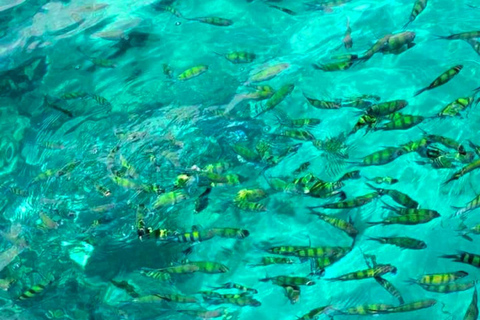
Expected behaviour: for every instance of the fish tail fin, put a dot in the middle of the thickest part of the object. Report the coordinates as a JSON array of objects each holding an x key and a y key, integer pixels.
[
  {"x": 372, "y": 187},
  {"x": 455, "y": 257},
  {"x": 466, "y": 236},
  {"x": 406, "y": 24},
  {"x": 420, "y": 91},
  {"x": 411, "y": 281},
  {"x": 437, "y": 37}
]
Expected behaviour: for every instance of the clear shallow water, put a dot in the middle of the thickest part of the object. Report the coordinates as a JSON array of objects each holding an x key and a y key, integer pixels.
[{"x": 165, "y": 127}]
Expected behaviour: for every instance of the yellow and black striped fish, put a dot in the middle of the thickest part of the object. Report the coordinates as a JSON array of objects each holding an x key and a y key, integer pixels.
[
  {"x": 376, "y": 271},
  {"x": 464, "y": 257},
  {"x": 439, "y": 278},
  {"x": 442, "y": 79},
  {"x": 448, "y": 287},
  {"x": 418, "y": 8}
]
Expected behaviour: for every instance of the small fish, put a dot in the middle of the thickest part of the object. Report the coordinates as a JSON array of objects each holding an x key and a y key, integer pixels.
[
  {"x": 233, "y": 285},
  {"x": 47, "y": 222},
  {"x": 462, "y": 36},
  {"x": 192, "y": 72},
  {"x": 440, "y": 278},
  {"x": 127, "y": 287},
  {"x": 315, "y": 313},
  {"x": 166, "y": 8},
  {"x": 397, "y": 196},
  {"x": 287, "y": 11},
  {"x": 386, "y": 108},
  {"x": 402, "y": 242},
  {"x": 266, "y": 261},
  {"x": 471, "y": 205},
  {"x": 386, "y": 180},
  {"x": 367, "y": 309},
  {"x": 215, "y": 21},
  {"x": 36, "y": 290},
  {"x": 475, "y": 44},
  {"x": 266, "y": 73},
  {"x": 322, "y": 104},
  {"x": 390, "y": 289},
  {"x": 336, "y": 66},
  {"x": 418, "y": 216},
  {"x": 292, "y": 292},
  {"x": 464, "y": 257},
  {"x": 304, "y": 166},
  {"x": 74, "y": 95},
  {"x": 352, "y": 175},
  {"x": 57, "y": 107},
  {"x": 409, "y": 307},
  {"x": 448, "y": 287},
  {"x": 276, "y": 98},
  {"x": 418, "y": 8},
  {"x": 472, "y": 310},
  {"x": 384, "y": 156},
  {"x": 463, "y": 171},
  {"x": 289, "y": 281},
  {"x": 231, "y": 233},
  {"x": 238, "y": 57},
  {"x": 442, "y": 79},
  {"x": 201, "y": 202},
  {"x": 338, "y": 223},
  {"x": 377, "y": 47},
  {"x": 454, "y": 108},
  {"x": 206, "y": 314},
  {"x": 376, "y": 271},
  {"x": 352, "y": 203},
  {"x": 209, "y": 267},
  {"x": 169, "y": 199},
  {"x": 401, "y": 122}
]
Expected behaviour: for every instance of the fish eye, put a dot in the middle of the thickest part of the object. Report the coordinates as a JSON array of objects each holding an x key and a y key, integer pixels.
[
  {"x": 77, "y": 67},
  {"x": 266, "y": 128},
  {"x": 178, "y": 23}
]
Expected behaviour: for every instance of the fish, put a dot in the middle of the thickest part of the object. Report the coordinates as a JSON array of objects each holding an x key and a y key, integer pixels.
[
  {"x": 266, "y": 261},
  {"x": 266, "y": 73},
  {"x": 390, "y": 289},
  {"x": 215, "y": 21},
  {"x": 374, "y": 272},
  {"x": 287, "y": 11},
  {"x": 462, "y": 36},
  {"x": 237, "y": 57},
  {"x": 464, "y": 257},
  {"x": 402, "y": 242},
  {"x": 397, "y": 196},
  {"x": 289, "y": 281},
  {"x": 409, "y": 307},
  {"x": 448, "y": 287},
  {"x": 439, "y": 278},
  {"x": 418, "y": 7},
  {"x": 338, "y": 223},
  {"x": 442, "y": 79},
  {"x": 463, "y": 171},
  {"x": 472, "y": 310},
  {"x": 416, "y": 216},
  {"x": 233, "y": 285},
  {"x": 192, "y": 72}
]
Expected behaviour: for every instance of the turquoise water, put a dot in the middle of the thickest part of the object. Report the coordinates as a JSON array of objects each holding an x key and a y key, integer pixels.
[{"x": 129, "y": 125}]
